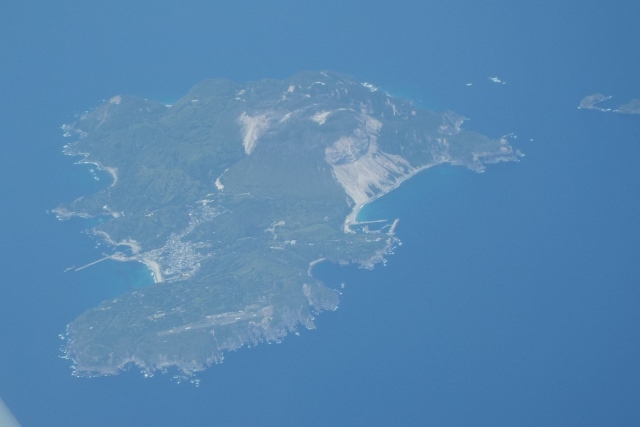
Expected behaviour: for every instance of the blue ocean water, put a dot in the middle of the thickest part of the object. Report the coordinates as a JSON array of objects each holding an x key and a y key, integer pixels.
[{"x": 513, "y": 299}]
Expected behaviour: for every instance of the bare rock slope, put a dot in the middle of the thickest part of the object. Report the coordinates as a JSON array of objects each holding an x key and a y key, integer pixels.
[{"x": 231, "y": 195}]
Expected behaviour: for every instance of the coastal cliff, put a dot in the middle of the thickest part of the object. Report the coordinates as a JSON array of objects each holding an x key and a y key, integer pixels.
[{"x": 231, "y": 195}]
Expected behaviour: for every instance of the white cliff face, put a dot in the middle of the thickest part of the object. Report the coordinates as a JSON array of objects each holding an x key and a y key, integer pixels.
[
  {"x": 324, "y": 151},
  {"x": 347, "y": 149},
  {"x": 356, "y": 157},
  {"x": 321, "y": 117},
  {"x": 363, "y": 170},
  {"x": 252, "y": 129}
]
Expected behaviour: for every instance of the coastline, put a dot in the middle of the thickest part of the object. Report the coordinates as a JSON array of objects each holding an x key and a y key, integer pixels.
[
  {"x": 312, "y": 264},
  {"x": 151, "y": 264},
  {"x": 134, "y": 245},
  {"x": 154, "y": 266},
  {"x": 109, "y": 169},
  {"x": 352, "y": 218}
]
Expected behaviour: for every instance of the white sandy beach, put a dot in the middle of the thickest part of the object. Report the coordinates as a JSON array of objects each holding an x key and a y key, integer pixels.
[
  {"x": 153, "y": 265},
  {"x": 110, "y": 170},
  {"x": 351, "y": 219},
  {"x": 312, "y": 264},
  {"x": 68, "y": 151}
]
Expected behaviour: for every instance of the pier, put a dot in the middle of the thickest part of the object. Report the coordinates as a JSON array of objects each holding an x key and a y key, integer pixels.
[
  {"x": 393, "y": 226},
  {"x": 92, "y": 263}
]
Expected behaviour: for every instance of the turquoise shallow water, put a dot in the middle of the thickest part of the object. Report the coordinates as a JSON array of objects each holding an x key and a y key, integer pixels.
[
  {"x": 398, "y": 202},
  {"x": 110, "y": 278},
  {"x": 107, "y": 278}
]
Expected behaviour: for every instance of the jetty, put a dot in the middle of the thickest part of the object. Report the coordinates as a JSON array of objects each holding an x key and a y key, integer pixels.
[{"x": 93, "y": 263}]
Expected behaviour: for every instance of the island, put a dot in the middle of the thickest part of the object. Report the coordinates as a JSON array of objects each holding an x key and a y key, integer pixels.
[
  {"x": 632, "y": 107},
  {"x": 231, "y": 195},
  {"x": 592, "y": 102}
]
